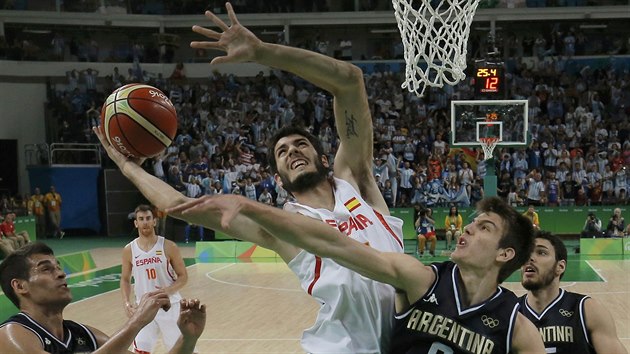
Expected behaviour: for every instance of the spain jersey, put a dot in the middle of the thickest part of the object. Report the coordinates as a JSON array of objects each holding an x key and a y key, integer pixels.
[
  {"x": 76, "y": 339},
  {"x": 356, "y": 313},
  {"x": 439, "y": 323},
  {"x": 151, "y": 270},
  {"x": 561, "y": 324}
]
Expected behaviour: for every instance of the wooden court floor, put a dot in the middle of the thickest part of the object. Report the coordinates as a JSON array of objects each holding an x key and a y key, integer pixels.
[{"x": 260, "y": 308}]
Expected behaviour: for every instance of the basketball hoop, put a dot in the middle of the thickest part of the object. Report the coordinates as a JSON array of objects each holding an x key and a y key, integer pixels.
[
  {"x": 435, "y": 35},
  {"x": 488, "y": 145}
]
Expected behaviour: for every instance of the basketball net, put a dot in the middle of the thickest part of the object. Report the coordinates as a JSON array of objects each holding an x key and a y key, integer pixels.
[
  {"x": 488, "y": 145},
  {"x": 435, "y": 36}
]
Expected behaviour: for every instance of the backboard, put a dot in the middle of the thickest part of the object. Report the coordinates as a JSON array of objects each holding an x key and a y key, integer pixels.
[{"x": 472, "y": 121}]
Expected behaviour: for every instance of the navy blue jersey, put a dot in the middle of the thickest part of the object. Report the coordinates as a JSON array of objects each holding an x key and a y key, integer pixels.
[
  {"x": 439, "y": 323},
  {"x": 76, "y": 337},
  {"x": 561, "y": 324}
]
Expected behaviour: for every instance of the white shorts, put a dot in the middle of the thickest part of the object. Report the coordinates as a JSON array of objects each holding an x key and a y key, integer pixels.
[{"x": 165, "y": 322}]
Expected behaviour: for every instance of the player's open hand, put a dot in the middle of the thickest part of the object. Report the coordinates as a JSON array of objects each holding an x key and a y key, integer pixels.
[
  {"x": 192, "y": 318},
  {"x": 149, "y": 306},
  {"x": 238, "y": 42},
  {"x": 118, "y": 158}
]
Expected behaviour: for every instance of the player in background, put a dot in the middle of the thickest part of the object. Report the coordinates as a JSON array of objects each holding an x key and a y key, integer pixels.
[
  {"x": 155, "y": 263},
  {"x": 356, "y": 313},
  {"x": 33, "y": 280},
  {"x": 568, "y": 322}
]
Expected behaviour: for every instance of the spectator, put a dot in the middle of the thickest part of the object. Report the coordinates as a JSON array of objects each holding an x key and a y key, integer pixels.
[
  {"x": 266, "y": 197},
  {"x": 53, "y": 205},
  {"x": 425, "y": 227},
  {"x": 532, "y": 215},
  {"x": 616, "y": 224},
  {"x": 592, "y": 226},
  {"x": 453, "y": 223},
  {"x": 39, "y": 210}
]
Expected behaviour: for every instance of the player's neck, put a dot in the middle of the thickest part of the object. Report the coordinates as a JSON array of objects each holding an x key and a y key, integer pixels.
[
  {"x": 49, "y": 318},
  {"x": 476, "y": 285},
  {"x": 146, "y": 242},
  {"x": 318, "y": 197},
  {"x": 541, "y": 298}
]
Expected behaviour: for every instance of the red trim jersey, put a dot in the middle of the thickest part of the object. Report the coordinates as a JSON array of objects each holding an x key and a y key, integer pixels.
[
  {"x": 356, "y": 313},
  {"x": 151, "y": 270}
]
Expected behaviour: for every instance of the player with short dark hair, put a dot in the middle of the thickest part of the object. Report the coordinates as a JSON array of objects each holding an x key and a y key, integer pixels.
[
  {"x": 32, "y": 278},
  {"x": 356, "y": 313},
  {"x": 154, "y": 263},
  {"x": 568, "y": 322}
]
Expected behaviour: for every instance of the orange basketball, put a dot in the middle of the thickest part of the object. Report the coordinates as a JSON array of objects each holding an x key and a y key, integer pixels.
[{"x": 139, "y": 120}]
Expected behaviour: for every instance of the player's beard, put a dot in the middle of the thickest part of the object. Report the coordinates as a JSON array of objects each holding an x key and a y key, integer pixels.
[
  {"x": 305, "y": 181},
  {"x": 543, "y": 281}
]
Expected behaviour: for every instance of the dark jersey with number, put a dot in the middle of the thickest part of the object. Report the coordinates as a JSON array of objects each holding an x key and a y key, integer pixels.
[
  {"x": 76, "y": 337},
  {"x": 561, "y": 324},
  {"x": 438, "y": 323}
]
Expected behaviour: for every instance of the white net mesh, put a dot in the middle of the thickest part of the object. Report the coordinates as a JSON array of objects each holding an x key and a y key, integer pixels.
[
  {"x": 434, "y": 35},
  {"x": 488, "y": 145}
]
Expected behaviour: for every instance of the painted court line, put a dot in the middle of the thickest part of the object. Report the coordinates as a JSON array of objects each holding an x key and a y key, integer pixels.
[
  {"x": 596, "y": 271},
  {"x": 209, "y": 276},
  {"x": 106, "y": 292}
]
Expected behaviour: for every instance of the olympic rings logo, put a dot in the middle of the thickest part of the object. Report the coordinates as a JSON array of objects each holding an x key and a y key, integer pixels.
[
  {"x": 566, "y": 313},
  {"x": 489, "y": 321}
]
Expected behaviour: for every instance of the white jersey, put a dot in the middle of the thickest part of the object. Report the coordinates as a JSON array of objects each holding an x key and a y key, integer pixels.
[
  {"x": 356, "y": 313},
  {"x": 151, "y": 270}
]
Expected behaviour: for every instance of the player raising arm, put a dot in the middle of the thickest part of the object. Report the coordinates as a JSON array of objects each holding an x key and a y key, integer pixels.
[
  {"x": 33, "y": 280},
  {"x": 349, "y": 200},
  {"x": 450, "y": 307}
]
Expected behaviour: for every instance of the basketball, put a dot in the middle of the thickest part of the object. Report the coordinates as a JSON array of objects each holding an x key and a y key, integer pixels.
[{"x": 138, "y": 120}]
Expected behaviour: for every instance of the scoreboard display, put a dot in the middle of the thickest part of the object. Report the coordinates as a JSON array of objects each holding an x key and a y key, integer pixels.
[{"x": 489, "y": 81}]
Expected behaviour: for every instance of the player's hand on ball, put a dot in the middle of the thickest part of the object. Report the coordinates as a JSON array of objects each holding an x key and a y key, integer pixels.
[
  {"x": 118, "y": 158},
  {"x": 192, "y": 318}
]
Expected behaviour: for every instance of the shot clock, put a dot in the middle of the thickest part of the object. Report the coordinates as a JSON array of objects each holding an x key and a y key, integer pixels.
[{"x": 489, "y": 81}]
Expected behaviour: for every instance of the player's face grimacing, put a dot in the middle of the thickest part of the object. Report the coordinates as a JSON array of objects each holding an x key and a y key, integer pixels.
[
  {"x": 298, "y": 165},
  {"x": 542, "y": 267},
  {"x": 479, "y": 243}
]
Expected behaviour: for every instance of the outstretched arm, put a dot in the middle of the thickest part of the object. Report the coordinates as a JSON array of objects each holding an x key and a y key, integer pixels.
[
  {"x": 342, "y": 79},
  {"x": 163, "y": 196},
  {"x": 401, "y": 271}
]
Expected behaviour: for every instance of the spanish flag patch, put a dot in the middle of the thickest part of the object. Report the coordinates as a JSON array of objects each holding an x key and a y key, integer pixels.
[
  {"x": 158, "y": 252},
  {"x": 352, "y": 204}
]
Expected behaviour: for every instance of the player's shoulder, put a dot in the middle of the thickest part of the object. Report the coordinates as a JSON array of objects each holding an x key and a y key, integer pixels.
[{"x": 14, "y": 334}]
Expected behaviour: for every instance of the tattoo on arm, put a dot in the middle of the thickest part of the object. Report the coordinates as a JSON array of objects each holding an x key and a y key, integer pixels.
[{"x": 351, "y": 122}]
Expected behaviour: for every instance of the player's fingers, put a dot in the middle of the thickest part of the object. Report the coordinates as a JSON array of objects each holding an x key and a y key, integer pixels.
[
  {"x": 206, "y": 32},
  {"x": 231, "y": 14},
  {"x": 217, "y": 21}
]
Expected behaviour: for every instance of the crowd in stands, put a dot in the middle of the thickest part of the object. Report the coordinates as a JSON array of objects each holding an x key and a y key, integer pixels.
[{"x": 579, "y": 151}]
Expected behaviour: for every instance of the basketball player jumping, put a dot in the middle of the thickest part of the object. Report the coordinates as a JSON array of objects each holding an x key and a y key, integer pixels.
[
  {"x": 155, "y": 263},
  {"x": 356, "y": 313},
  {"x": 568, "y": 322},
  {"x": 33, "y": 280}
]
